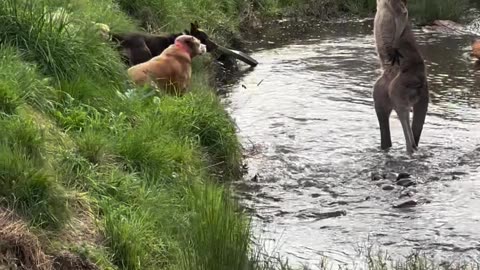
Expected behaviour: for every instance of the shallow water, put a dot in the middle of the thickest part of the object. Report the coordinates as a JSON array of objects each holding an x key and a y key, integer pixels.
[{"x": 305, "y": 116}]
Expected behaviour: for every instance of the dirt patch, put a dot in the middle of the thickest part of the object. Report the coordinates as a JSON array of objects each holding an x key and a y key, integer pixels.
[
  {"x": 19, "y": 248},
  {"x": 82, "y": 228},
  {"x": 69, "y": 261}
]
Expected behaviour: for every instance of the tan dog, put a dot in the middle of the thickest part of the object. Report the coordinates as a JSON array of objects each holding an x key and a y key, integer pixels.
[{"x": 171, "y": 70}]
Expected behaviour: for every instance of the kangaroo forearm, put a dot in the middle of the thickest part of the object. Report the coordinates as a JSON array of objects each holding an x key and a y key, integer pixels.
[
  {"x": 400, "y": 15},
  {"x": 400, "y": 25}
]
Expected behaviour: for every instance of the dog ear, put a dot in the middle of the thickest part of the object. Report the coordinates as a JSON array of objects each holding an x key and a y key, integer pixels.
[{"x": 193, "y": 27}]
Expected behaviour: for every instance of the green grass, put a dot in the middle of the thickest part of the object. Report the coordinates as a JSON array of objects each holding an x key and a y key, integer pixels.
[
  {"x": 360, "y": 7},
  {"x": 171, "y": 15},
  {"x": 48, "y": 42},
  {"x": 423, "y": 11},
  {"x": 20, "y": 82},
  {"x": 426, "y": 11},
  {"x": 218, "y": 238},
  {"x": 147, "y": 168},
  {"x": 132, "y": 237},
  {"x": 28, "y": 183}
]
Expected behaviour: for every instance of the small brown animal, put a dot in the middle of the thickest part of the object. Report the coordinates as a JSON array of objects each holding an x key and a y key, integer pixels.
[
  {"x": 403, "y": 84},
  {"x": 171, "y": 70},
  {"x": 476, "y": 49}
]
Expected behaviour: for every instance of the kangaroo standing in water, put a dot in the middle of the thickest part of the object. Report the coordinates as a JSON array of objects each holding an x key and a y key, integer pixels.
[{"x": 403, "y": 83}]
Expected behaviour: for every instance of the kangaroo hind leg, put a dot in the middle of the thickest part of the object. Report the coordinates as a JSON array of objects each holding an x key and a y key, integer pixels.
[
  {"x": 419, "y": 114},
  {"x": 383, "y": 109}
]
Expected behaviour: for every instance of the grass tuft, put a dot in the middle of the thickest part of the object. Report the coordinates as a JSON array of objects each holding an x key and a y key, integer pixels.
[
  {"x": 426, "y": 11},
  {"x": 20, "y": 83},
  {"x": 92, "y": 145},
  {"x": 128, "y": 234},
  {"x": 219, "y": 237},
  {"x": 47, "y": 41},
  {"x": 171, "y": 15},
  {"x": 31, "y": 190},
  {"x": 423, "y": 11}
]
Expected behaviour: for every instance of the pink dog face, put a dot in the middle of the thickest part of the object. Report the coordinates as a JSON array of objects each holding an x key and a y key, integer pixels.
[{"x": 193, "y": 44}]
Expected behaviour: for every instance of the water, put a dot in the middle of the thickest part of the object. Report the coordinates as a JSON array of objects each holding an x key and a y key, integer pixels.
[{"x": 305, "y": 116}]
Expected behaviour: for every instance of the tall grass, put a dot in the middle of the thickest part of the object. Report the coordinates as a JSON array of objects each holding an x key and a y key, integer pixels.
[
  {"x": 360, "y": 7},
  {"x": 426, "y": 11},
  {"x": 20, "y": 83},
  {"x": 171, "y": 15},
  {"x": 137, "y": 160},
  {"x": 219, "y": 237},
  {"x": 132, "y": 236},
  {"x": 28, "y": 184},
  {"x": 48, "y": 42}
]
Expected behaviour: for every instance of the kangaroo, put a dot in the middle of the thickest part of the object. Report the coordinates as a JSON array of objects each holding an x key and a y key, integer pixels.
[{"x": 403, "y": 83}]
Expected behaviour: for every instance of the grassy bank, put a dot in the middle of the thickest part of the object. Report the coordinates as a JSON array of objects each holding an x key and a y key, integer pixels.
[
  {"x": 423, "y": 11},
  {"x": 120, "y": 180}
]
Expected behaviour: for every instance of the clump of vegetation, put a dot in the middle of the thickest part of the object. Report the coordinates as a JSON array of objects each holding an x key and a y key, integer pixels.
[
  {"x": 171, "y": 15},
  {"x": 426, "y": 11},
  {"x": 360, "y": 7},
  {"x": 423, "y": 11},
  {"x": 28, "y": 182}
]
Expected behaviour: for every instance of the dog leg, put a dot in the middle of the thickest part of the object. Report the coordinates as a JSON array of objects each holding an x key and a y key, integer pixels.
[{"x": 419, "y": 115}]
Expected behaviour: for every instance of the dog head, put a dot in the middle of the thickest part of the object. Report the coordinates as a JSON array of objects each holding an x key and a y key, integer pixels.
[
  {"x": 191, "y": 45},
  {"x": 197, "y": 32}
]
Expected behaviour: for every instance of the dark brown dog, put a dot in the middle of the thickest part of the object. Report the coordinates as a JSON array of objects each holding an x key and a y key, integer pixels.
[
  {"x": 139, "y": 47},
  {"x": 199, "y": 33},
  {"x": 172, "y": 69}
]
